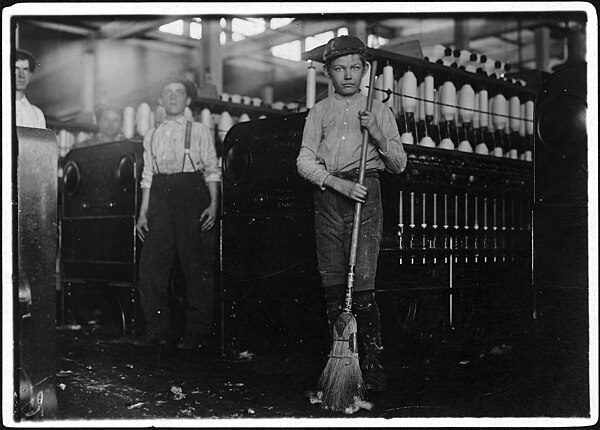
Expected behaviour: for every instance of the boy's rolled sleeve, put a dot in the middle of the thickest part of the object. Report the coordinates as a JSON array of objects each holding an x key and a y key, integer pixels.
[
  {"x": 309, "y": 167},
  {"x": 212, "y": 171},
  {"x": 395, "y": 157},
  {"x": 148, "y": 170}
]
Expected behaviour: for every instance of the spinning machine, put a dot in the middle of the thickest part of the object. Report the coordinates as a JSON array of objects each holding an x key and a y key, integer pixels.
[{"x": 457, "y": 223}]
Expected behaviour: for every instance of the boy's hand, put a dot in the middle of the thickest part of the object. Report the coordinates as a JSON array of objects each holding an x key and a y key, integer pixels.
[
  {"x": 142, "y": 226},
  {"x": 350, "y": 189},
  {"x": 368, "y": 120},
  {"x": 208, "y": 217}
]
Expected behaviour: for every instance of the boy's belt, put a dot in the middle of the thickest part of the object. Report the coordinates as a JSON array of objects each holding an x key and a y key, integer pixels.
[{"x": 353, "y": 174}]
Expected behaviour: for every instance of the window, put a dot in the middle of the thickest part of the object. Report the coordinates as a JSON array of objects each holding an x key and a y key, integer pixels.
[
  {"x": 342, "y": 31},
  {"x": 240, "y": 28},
  {"x": 376, "y": 41},
  {"x": 175, "y": 27},
  {"x": 289, "y": 51},
  {"x": 312, "y": 42},
  {"x": 195, "y": 30},
  {"x": 279, "y": 22}
]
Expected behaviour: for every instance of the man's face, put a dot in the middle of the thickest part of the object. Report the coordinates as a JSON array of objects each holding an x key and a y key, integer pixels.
[
  {"x": 22, "y": 74},
  {"x": 346, "y": 73},
  {"x": 110, "y": 123},
  {"x": 174, "y": 98}
]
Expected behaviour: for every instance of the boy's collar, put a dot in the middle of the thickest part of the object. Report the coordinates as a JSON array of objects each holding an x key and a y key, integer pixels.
[
  {"x": 341, "y": 98},
  {"x": 180, "y": 118}
]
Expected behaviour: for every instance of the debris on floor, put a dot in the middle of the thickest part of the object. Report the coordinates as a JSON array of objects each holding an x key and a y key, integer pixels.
[{"x": 177, "y": 393}]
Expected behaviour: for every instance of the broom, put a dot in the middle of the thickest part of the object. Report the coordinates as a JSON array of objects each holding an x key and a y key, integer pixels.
[{"x": 341, "y": 382}]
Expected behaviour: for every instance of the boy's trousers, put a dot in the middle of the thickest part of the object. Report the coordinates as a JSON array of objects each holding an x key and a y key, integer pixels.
[
  {"x": 176, "y": 203},
  {"x": 334, "y": 216}
]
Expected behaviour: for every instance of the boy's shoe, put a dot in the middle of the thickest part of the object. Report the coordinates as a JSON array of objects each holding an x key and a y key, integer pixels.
[
  {"x": 148, "y": 340},
  {"x": 374, "y": 376},
  {"x": 192, "y": 342}
]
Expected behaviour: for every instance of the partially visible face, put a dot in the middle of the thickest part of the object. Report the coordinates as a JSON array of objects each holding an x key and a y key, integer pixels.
[
  {"x": 346, "y": 73},
  {"x": 22, "y": 74},
  {"x": 174, "y": 98},
  {"x": 110, "y": 123}
]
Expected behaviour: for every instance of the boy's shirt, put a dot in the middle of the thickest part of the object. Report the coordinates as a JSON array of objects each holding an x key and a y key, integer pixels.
[
  {"x": 332, "y": 139},
  {"x": 168, "y": 145}
]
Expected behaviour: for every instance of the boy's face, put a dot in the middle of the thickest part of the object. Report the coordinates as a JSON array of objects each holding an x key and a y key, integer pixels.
[
  {"x": 174, "y": 98},
  {"x": 346, "y": 73},
  {"x": 110, "y": 123}
]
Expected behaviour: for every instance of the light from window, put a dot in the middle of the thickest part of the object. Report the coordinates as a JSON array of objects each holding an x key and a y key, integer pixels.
[
  {"x": 317, "y": 40},
  {"x": 342, "y": 31},
  {"x": 279, "y": 22},
  {"x": 248, "y": 27},
  {"x": 376, "y": 41},
  {"x": 195, "y": 30},
  {"x": 289, "y": 51},
  {"x": 175, "y": 27},
  {"x": 222, "y": 38}
]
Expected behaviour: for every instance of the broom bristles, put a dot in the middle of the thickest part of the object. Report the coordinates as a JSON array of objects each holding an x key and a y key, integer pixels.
[{"x": 341, "y": 380}]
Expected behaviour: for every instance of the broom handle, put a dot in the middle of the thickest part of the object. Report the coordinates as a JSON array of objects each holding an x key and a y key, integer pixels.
[{"x": 358, "y": 206}]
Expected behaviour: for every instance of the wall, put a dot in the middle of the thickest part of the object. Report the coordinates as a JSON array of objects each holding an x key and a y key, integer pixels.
[{"x": 126, "y": 71}]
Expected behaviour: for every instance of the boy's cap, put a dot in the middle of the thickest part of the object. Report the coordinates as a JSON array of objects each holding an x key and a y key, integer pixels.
[
  {"x": 190, "y": 87},
  {"x": 344, "y": 45}
]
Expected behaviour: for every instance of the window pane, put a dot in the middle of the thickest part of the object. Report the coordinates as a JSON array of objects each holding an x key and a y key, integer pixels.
[
  {"x": 343, "y": 31},
  {"x": 236, "y": 37},
  {"x": 175, "y": 27},
  {"x": 317, "y": 40},
  {"x": 279, "y": 22},
  {"x": 248, "y": 27},
  {"x": 195, "y": 30},
  {"x": 376, "y": 41},
  {"x": 289, "y": 51}
]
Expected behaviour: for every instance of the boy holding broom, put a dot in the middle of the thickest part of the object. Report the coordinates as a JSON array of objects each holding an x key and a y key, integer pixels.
[{"x": 329, "y": 158}]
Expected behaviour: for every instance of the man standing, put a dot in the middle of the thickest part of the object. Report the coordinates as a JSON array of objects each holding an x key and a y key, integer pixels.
[
  {"x": 180, "y": 192},
  {"x": 28, "y": 115}
]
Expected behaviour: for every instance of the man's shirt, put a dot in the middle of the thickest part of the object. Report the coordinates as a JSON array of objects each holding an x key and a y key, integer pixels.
[{"x": 29, "y": 115}]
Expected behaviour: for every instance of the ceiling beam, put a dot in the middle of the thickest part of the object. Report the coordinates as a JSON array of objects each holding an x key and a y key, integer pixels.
[
  {"x": 120, "y": 29},
  {"x": 262, "y": 42},
  {"x": 64, "y": 28},
  {"x": 174, "y": 39},
  {"x": 477, "y": 29},
  {"x": 508, "y": 40}
]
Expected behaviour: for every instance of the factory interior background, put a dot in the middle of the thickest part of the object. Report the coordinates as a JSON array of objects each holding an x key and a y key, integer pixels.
[{"x": 509, "y": 343}]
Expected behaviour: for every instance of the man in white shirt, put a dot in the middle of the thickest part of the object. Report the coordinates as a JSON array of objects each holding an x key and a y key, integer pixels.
[{"x": 28, "y": 115}]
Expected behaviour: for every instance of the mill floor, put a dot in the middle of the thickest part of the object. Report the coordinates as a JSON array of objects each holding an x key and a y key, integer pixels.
[{"x": 536, "y": 373}]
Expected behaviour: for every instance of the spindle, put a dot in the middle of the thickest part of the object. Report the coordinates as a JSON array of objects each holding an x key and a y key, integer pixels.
[
  {"x": 448, "y": 111},
  {"x": 129, "y": 122},
  {"x": 311, "y": 86},
  {"x": 142, "y": 118}
]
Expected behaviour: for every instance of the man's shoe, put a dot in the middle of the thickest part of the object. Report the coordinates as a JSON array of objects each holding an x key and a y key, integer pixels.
[
  {"x": 148, "y": 340},
  {"x": 374, "y": 376}
]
